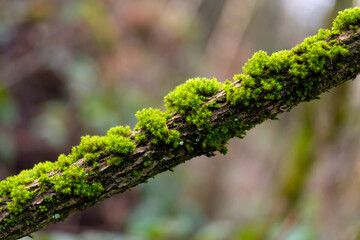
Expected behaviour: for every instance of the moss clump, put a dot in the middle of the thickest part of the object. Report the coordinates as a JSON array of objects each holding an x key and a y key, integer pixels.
[
  {"x": 189, "y": 99},
  {"x": 92, "y": 148},
  {"x": 242, "y": 94},
  {"x": 43, "y": 209},
  {"x": 14, "y": 186},
  {"x": 261, "y": 79},
  {"x": 257, "y": 65},
  {"x": 120, "y": 145},
  {"x": 140, "y": 138},
  {"x": 25, "y": 177},
  {"x": 119, "y": 131},
  {"x": 217, "y": 138},
  {"x": 347, "y": 20},
  {"x": 153, "y": 122},
  {"x": 147, "y": 163},
  {"x": 19, "y": 196},
  {"x": 71, "y": 180}
]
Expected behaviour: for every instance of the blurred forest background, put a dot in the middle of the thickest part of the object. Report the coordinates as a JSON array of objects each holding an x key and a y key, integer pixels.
[{"x": 70, "y": 68}]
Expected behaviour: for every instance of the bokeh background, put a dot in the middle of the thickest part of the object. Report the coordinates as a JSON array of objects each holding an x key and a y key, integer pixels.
[{"x": 70, "y": 68}]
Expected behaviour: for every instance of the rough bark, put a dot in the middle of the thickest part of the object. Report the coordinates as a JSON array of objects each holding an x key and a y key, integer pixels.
[{"x": 117, "y": 179}]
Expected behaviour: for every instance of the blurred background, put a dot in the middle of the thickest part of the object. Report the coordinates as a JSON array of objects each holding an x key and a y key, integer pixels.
[{"x": 70, "y": 68}]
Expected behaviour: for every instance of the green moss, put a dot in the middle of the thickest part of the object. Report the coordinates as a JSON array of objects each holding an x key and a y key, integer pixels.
[
  {"x": 120, "y": 145},
  {"x": 43, "y": 209},
  {"x": 245, "y": 80},
  {"x": 257, "y": 65},
  {"x": 19, "y": 196},
  {"x": 189, "y": 147},
  {"x": 279, "y": 60},
  {"x": 140, "y": 138},
  {"x": 116, "y": 161},
  {"x": 347, "y": 20},
  {"x": 73, "y": 182},
  {"x": 44, "y": 181},
  {"x": 189, "y": 99},
  {"x": 119, "y": 131},
  {"x": 94, "y": 147},
  {"x": 137, "y": 174},
  {"x": 262, "y": 81},
  {"x": 147, "y": 163},
  {"x": 153, "y": 122},
  {"x": 15, "y": 186},
  {"x": 237, "y": 94},
  {"x": 48, "y": 199},
  {"x": 216, "y": 139},
  {"x": 64, "y": 161}
]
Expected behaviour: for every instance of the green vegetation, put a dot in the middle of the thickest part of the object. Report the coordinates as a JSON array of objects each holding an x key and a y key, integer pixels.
[
  {"x": 188, "y": 100},
  {"x": 347, "y": 20},
  {"x": 262, "y": 81},
  {"x": 153, "y": 122},
  {"x": 71, "y": 179},
  {"x": 306, "y": 58}
]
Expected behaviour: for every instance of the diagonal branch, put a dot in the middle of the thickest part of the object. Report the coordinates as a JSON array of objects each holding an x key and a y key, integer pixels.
[{"x": 101, "y": 167}]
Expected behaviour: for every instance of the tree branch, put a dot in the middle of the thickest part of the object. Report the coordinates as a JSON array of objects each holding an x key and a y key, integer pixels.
[{"x": 230, "y": 114}]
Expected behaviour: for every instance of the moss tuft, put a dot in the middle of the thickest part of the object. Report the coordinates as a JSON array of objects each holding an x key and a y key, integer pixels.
[
  {"x": 347, "y": 20},
  {"x": 257, "y": 65},
  {"x": 189, "y": 99},
  {"x": 73, "y": 181},
  {"x": 140, "y": 138},
  {"x": 19, "y": 196},
  {"x": 119, "y": 145},
  {"x": 153, "y": 122},
  {"x": 119, "y": 131}
]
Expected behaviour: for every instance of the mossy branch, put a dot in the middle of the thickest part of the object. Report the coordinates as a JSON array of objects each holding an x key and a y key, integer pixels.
[{"x": 202, "y": 115}]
